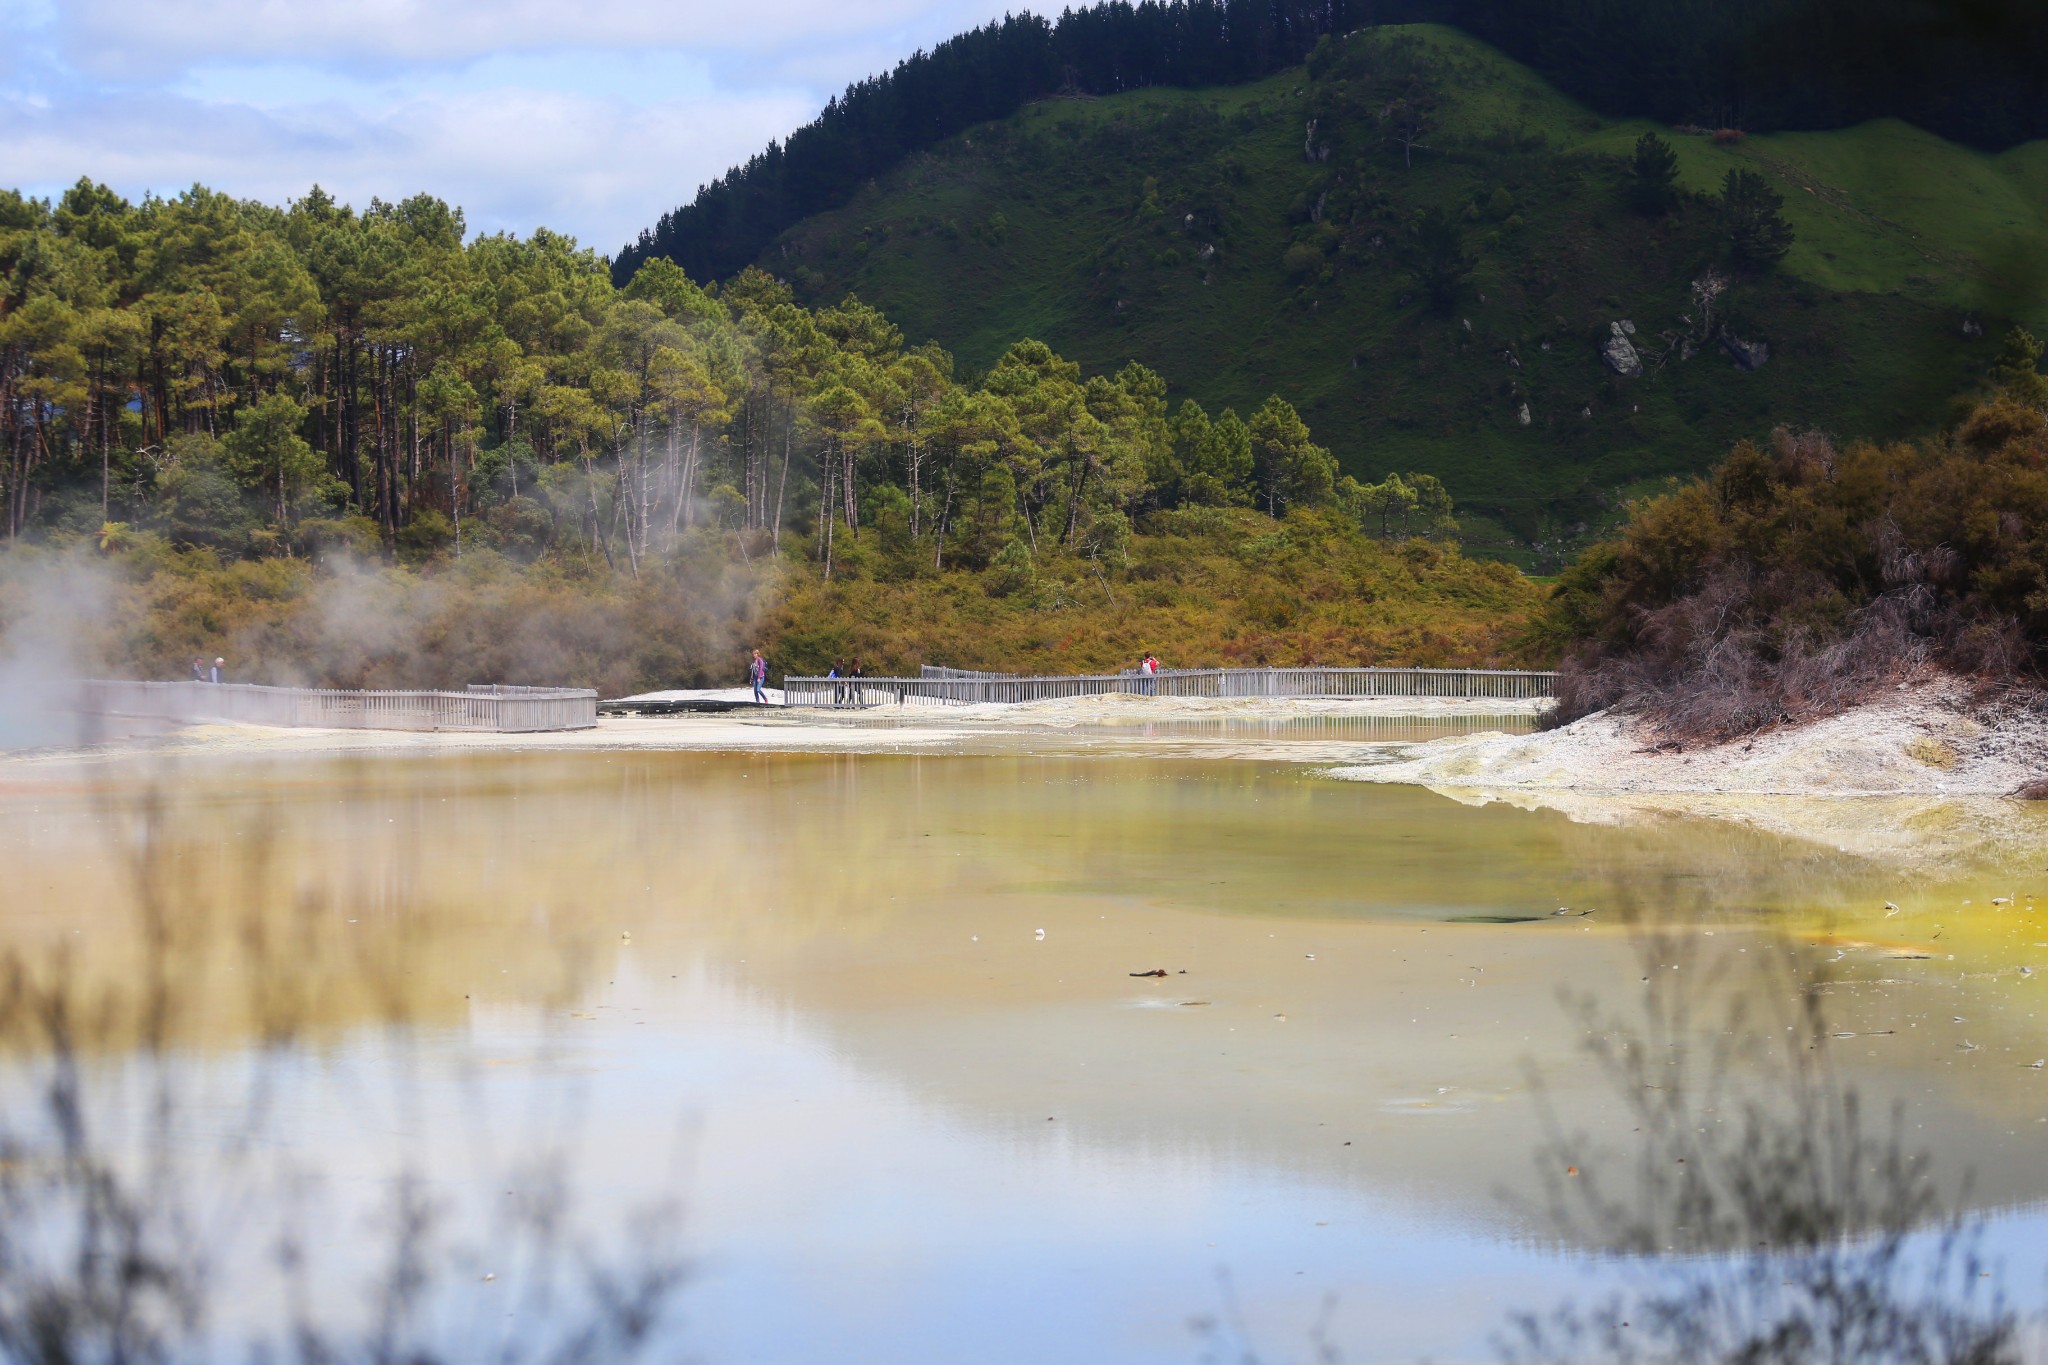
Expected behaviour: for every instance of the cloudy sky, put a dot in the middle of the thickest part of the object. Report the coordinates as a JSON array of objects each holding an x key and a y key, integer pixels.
[{"x": 587, "y": 116}]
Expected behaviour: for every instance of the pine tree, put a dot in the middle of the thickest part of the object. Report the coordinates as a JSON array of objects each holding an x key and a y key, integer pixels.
[
  {"x": 1653, "y": 175},
  {"x": 2017, "y": 371},
  {"x": 1750, "y": 217}
]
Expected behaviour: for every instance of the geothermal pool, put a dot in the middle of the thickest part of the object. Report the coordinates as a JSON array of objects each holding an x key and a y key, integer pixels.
[{"x": 865, "y": 1041}]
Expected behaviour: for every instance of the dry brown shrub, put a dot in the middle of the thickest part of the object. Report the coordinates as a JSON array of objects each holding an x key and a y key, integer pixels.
[{"x": 1795, "y": 583}]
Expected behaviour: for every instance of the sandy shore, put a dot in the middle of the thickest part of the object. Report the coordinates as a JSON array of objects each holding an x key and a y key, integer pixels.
[
  {"x": 881, "y": 729},
  {"x": 1917, "y": 778},
  {"x": 1923, "y": 742},
  {"x": 1125, "y": 709},
  {"x": 689, "y": 732}
]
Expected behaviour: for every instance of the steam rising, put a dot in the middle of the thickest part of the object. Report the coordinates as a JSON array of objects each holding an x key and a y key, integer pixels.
[
  {"x": 65, "y": 615},
  {"x": 53, "y": 614},
  {"x": 484, "y": 620}
]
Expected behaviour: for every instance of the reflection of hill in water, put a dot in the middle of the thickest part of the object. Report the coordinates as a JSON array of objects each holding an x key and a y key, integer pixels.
[{"x": 892, "y": 904}]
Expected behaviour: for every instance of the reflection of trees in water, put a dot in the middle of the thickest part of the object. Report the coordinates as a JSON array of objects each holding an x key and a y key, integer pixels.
[
  {"x": 1757, "y": 1213},
  {"x": 146, "y": 1214}
]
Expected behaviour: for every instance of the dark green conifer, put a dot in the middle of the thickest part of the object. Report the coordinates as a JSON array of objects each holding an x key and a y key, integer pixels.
[
  {"x": 1653, "y": 175},
  {"x": 1752, "y": 219}
]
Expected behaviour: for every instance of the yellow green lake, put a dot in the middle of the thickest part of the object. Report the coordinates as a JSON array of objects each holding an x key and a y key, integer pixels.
[{"x": 875, "y": 1037}]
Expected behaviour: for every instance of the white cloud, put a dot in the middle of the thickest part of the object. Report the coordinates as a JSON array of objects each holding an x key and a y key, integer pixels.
[
  {"x": 126, "y": 37},
  {"x": 592, "y": 119},
  {"x": 512, "y": 159}
]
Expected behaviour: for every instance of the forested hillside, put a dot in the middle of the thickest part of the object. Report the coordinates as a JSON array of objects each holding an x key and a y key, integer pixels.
[
  {"x": 214, "y": 394},
  {"x": 1428, "y": 250},
  {"x": 1976, "y": 73}
]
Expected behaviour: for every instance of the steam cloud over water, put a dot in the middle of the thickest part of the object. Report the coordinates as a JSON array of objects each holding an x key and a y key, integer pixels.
[
  {"x": 72, "y": 614},
  {"x": 53, "y": 614},
  {"x": 359, "y": 625}
]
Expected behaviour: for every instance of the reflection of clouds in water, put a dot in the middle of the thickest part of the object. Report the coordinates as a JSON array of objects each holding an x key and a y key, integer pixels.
[
  {"x": 833, "y": 973},
  {"x": 161, "y": 1201}
]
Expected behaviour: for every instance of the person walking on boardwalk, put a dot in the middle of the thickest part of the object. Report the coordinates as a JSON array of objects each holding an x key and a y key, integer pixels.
[
  {"x": 853, "y": 692},
  {"x": 219, "y": 673},
  {"x": 835, "y": 674},
  {"x": 757, "y": 674},
  {"x": 198, "y": 669}
]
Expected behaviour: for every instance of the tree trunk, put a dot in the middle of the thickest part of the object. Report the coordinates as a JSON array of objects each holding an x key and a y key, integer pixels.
[
  {"x": 945, "y": 523},
  {"x": 596, "y": 517},
  {"x": 689, "y": 488},
  {"x": 788, "y": 449},
  {"x": 1074, "y": 505},
  {"x": 847, "y": 488},
  {"x": 828, "y": 466},
  {"x": 913, "y": 459}
]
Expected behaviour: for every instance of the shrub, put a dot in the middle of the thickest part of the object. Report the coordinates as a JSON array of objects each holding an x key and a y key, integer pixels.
[
  {"x": 1796, "y": 581},
  {"x": 1302, "y": 261},
  {"x": 1010, "y": 571},
  {"x": 523, "y": 527},
  {"x": 424, "y": 535},
  {"x": 340, "y": 535}
]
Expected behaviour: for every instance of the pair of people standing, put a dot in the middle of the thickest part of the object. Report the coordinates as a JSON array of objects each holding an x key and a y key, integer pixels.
[
  {"x": 846, "y": 682},
  {"x": 201, "y": 673},
  {"x": 1148, "y": 673}
]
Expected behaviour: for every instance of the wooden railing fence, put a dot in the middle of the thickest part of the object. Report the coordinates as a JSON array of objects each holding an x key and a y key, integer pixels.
[
  {"x": 1222, "y": 683},
  {"x": 507, "y": 710}
]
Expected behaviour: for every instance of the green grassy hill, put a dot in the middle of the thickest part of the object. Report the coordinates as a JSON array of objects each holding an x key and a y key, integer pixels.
[{"x": 1197, "y": 232}]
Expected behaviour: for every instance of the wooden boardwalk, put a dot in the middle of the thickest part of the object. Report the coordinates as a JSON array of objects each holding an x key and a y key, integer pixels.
[
  {"x": 505, "y": 710},
  {"x": 950, "y": 687}
]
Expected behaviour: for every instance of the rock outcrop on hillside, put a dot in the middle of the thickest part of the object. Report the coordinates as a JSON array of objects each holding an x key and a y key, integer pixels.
[
  {"x": 1619, "y": 352},
  {"x": 1750, "y": 355}
]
